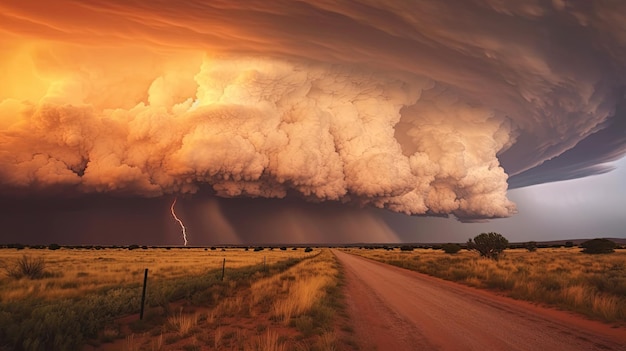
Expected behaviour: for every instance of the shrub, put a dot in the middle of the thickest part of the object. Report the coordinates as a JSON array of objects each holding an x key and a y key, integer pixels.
[
  {"x": 406, "y": 248},
  {"x": 16, "y": 246},
  {"x": 598, "y": 246},
  {"x": 488, "y": 245},
  {"x": 54, "y": 247},
  {"x": 308, "y": 249},
  {"x": 531, "y": 246},
  {"x": 31, "y": 268},
  {"x": 451, "y": 248}
]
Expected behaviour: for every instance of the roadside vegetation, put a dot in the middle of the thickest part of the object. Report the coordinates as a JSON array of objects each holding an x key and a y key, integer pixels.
[
  {"x": 593, "y": 285},
  {"x": 75, "y": 272},
  {"x": 489, "y": 245},
  {"x": 268, "y": 300}
]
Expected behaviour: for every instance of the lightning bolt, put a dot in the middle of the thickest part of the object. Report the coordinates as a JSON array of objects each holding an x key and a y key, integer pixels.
[{"x": 182, "y": 226}]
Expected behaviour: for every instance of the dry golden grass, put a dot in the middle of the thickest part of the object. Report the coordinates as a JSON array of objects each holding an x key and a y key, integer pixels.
[
  {"x": 594, "y": 285},
  {"x": 217, "y": 314},
  {"x": 301, "y": 296},
  {"x": 130, "y": 343},
  {"x": 294, "y": 291},
  {"x": 182, "y": 322},
  {"x": 288, "y": 294},
  {"x": 78, "y": 271},
  {"x": 157, "y": 343},
  {"x": 269, "y": 341},
  {"x": 282, "y": 298},
  {"x": 328, "y": 341}
]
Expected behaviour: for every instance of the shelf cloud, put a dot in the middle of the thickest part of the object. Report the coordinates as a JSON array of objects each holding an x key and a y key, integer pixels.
[{"x": 424, "y": 108}]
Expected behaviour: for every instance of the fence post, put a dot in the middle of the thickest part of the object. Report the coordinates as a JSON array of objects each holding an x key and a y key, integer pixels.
[
  {"x": 223, "y": 268},
  {"x": 143, "y": 293}
]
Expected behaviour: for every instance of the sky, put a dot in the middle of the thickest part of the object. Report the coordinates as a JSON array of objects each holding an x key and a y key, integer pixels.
[{"x": 311, "y": 121}]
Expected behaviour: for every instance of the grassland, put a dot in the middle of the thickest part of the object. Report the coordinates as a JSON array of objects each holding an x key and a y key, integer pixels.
[
  {"x": 78, "y": 271},
  {"x": 593, "y": 285},
  {"x": 268, "y": 300}
]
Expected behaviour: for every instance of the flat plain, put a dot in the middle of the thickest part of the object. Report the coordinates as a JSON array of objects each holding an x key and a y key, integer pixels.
[
  {"x": 274, "y": 299},
  {"x": 271, "y": 299}
]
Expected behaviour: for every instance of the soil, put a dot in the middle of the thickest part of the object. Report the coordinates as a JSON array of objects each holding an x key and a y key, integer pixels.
[{"x": 397, "y": 309}]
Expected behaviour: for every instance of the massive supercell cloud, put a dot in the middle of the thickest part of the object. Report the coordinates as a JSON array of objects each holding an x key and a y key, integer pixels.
[{"x": 418, "y": 107}]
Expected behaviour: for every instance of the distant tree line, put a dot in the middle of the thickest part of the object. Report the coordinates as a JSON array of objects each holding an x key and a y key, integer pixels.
[{"x": 590, "y": 246}]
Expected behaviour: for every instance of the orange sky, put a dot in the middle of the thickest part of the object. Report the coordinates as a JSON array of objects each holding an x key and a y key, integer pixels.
[{"x": 421, "y": 108}]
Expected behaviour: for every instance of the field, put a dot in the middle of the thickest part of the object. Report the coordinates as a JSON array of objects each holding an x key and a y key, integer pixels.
[
  {"x": 72, "y": 273},
  {"x": 279, "y": 299},
  {"x": 593, "y": 285},
  {"x": 268, "y": 300}
]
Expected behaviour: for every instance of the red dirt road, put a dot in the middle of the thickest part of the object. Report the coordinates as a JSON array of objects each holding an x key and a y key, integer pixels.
[{"x": 397, "y": 309}]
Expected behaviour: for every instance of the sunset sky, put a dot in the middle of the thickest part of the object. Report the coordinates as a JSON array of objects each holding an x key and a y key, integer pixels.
[{"x": 311, "y": 121}]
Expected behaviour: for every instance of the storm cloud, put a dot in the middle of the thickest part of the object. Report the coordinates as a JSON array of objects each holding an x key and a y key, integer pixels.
[{"x": 417, "y": 107}]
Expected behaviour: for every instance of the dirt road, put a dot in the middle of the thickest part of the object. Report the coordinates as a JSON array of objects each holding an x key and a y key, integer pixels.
[{"x": 396, "y": 309}]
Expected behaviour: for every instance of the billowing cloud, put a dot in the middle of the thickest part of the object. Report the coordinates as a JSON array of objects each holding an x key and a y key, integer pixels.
[{"x": 421, "y": 108}]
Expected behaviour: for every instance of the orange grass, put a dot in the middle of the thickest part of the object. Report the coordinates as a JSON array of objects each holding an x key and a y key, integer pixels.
[
  {"x": 294, "y": 291},
  {"x": 79, "y": 271},
  {"x": 594, "y": 285}
]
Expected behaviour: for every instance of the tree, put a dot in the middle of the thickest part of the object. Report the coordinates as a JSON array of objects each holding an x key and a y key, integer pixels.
[
  {"x": 451, "y": 248},
  {"x": 531, "y": 246},
  {"x": 488, "y": 245},
  {"x": 598, "y": 246},
  {"x": 54, "y": 247},
  {"x": 16, "y": 246}
]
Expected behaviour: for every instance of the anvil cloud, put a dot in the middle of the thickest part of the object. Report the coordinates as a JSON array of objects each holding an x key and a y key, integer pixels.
[{"x": 418, "y": 107}]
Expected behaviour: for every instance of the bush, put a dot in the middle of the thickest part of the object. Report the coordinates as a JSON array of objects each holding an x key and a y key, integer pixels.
[
  {"x": 54, "y": 247},
  {"x": 31, "y": 268},
  {"x": 16, "y": 246},
  {"x": 488, "y": 245},
  {"x": 598, "y": 246},
  {"x": 451, "y": 248},
  {"x": 531, "y": 246},
  {"x": 308, "y": 249},
  {"x": 406, "y": 248}
]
